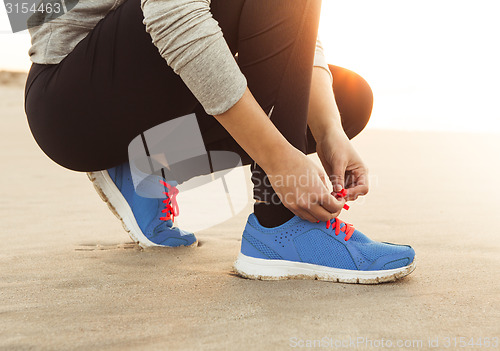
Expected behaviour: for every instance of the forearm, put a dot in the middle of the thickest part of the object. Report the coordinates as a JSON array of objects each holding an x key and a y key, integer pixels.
[
  {"x": 255, "y": 133},
  {"x": 324, "y": 116}
]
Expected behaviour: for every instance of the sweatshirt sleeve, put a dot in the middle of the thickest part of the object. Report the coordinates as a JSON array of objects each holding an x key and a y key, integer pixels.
[
  {"x": 191, "y": 41},
  {"x": 320, "y": 59}
]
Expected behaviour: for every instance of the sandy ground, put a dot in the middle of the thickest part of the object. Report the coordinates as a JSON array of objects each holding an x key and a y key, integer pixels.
[{"x": 70, "y": 279}]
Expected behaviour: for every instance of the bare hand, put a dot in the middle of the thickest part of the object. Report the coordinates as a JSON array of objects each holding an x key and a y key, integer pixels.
[
  {"x": 343, "y": 165},
  {"x": 301, "y": 186}
]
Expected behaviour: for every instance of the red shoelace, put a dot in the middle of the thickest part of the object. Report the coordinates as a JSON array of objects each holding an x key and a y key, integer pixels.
[
  {"x": 341, "y": 194},
  {"x": 348, "y": 229},
  {"x": 171, "y": 207}
]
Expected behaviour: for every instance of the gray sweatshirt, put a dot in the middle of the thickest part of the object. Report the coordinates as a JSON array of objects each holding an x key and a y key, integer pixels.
[{"x": 185, "y": 33}]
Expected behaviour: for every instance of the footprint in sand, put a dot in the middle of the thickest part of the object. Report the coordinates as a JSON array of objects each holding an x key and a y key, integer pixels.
[{"x": 101, "y": 247}]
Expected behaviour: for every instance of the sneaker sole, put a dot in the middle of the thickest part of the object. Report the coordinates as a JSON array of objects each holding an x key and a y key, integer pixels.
[
  {"x": 110, "y": 194},
  {"x": 261, "y": 269}
]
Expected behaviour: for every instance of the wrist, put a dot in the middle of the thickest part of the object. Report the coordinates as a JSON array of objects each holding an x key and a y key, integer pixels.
[
  {"x": 326, "y": 130},
  {"x": 274, "y": 159}
]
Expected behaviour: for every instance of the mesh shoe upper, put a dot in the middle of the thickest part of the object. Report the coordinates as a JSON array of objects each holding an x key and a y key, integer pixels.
[{"x": 301, "y": 241}]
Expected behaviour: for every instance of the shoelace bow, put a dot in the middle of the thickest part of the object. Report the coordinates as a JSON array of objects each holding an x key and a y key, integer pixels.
[
  {"x": 340, "y": 194},
  {"x": 171, "y": 207},
  {"x": 348, "y": 229}
]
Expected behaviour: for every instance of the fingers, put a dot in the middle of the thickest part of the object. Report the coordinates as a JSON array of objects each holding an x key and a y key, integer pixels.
[
  {"x": 357, "y": 188},
  {"x": 302, "y": 212},
  {"x": 315, "y": 214},
  {"x": 326, "y": 208},
  {"x": 357, "y": 191},
  {"x": 306, "y": 216},
  {"x": 331, "y": 204},
  {"x": 338, "y": 174},
  {"x": 324, "y": 179},
  {"x": 321, "y": 214}
]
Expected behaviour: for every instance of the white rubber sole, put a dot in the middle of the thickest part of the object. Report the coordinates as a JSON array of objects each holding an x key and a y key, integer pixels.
[
  {"x": 110, "y": 194},
  {"x": 257, "y": 268}
]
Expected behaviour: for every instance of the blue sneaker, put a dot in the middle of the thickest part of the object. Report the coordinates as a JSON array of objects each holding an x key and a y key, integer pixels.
[
  {"x": 337, "y": 252},
  {"x": 149, "y": 221}
]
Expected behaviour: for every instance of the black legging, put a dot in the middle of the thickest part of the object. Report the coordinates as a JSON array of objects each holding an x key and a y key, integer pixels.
[{"x": 84, "y": 111}]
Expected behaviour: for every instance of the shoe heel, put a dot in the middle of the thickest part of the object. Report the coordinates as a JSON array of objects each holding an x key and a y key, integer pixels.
[{"x": 96, "y": 178}]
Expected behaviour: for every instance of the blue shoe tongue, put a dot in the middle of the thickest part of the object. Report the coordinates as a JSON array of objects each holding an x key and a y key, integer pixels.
[{"x": 148, "y": 185}]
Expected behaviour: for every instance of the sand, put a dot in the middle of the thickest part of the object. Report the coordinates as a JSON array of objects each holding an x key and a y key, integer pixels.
[{"x": 71, "y": 279}]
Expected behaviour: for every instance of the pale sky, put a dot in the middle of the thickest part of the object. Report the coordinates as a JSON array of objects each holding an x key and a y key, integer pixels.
[{"x": 433, "y": 65}]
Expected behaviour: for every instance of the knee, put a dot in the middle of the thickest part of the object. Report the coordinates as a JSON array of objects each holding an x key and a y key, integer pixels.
[{"x": 354, "y": 99}]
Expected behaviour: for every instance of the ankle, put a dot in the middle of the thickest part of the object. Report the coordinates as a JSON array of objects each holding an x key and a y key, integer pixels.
[{"x": 270, "y": 215}]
